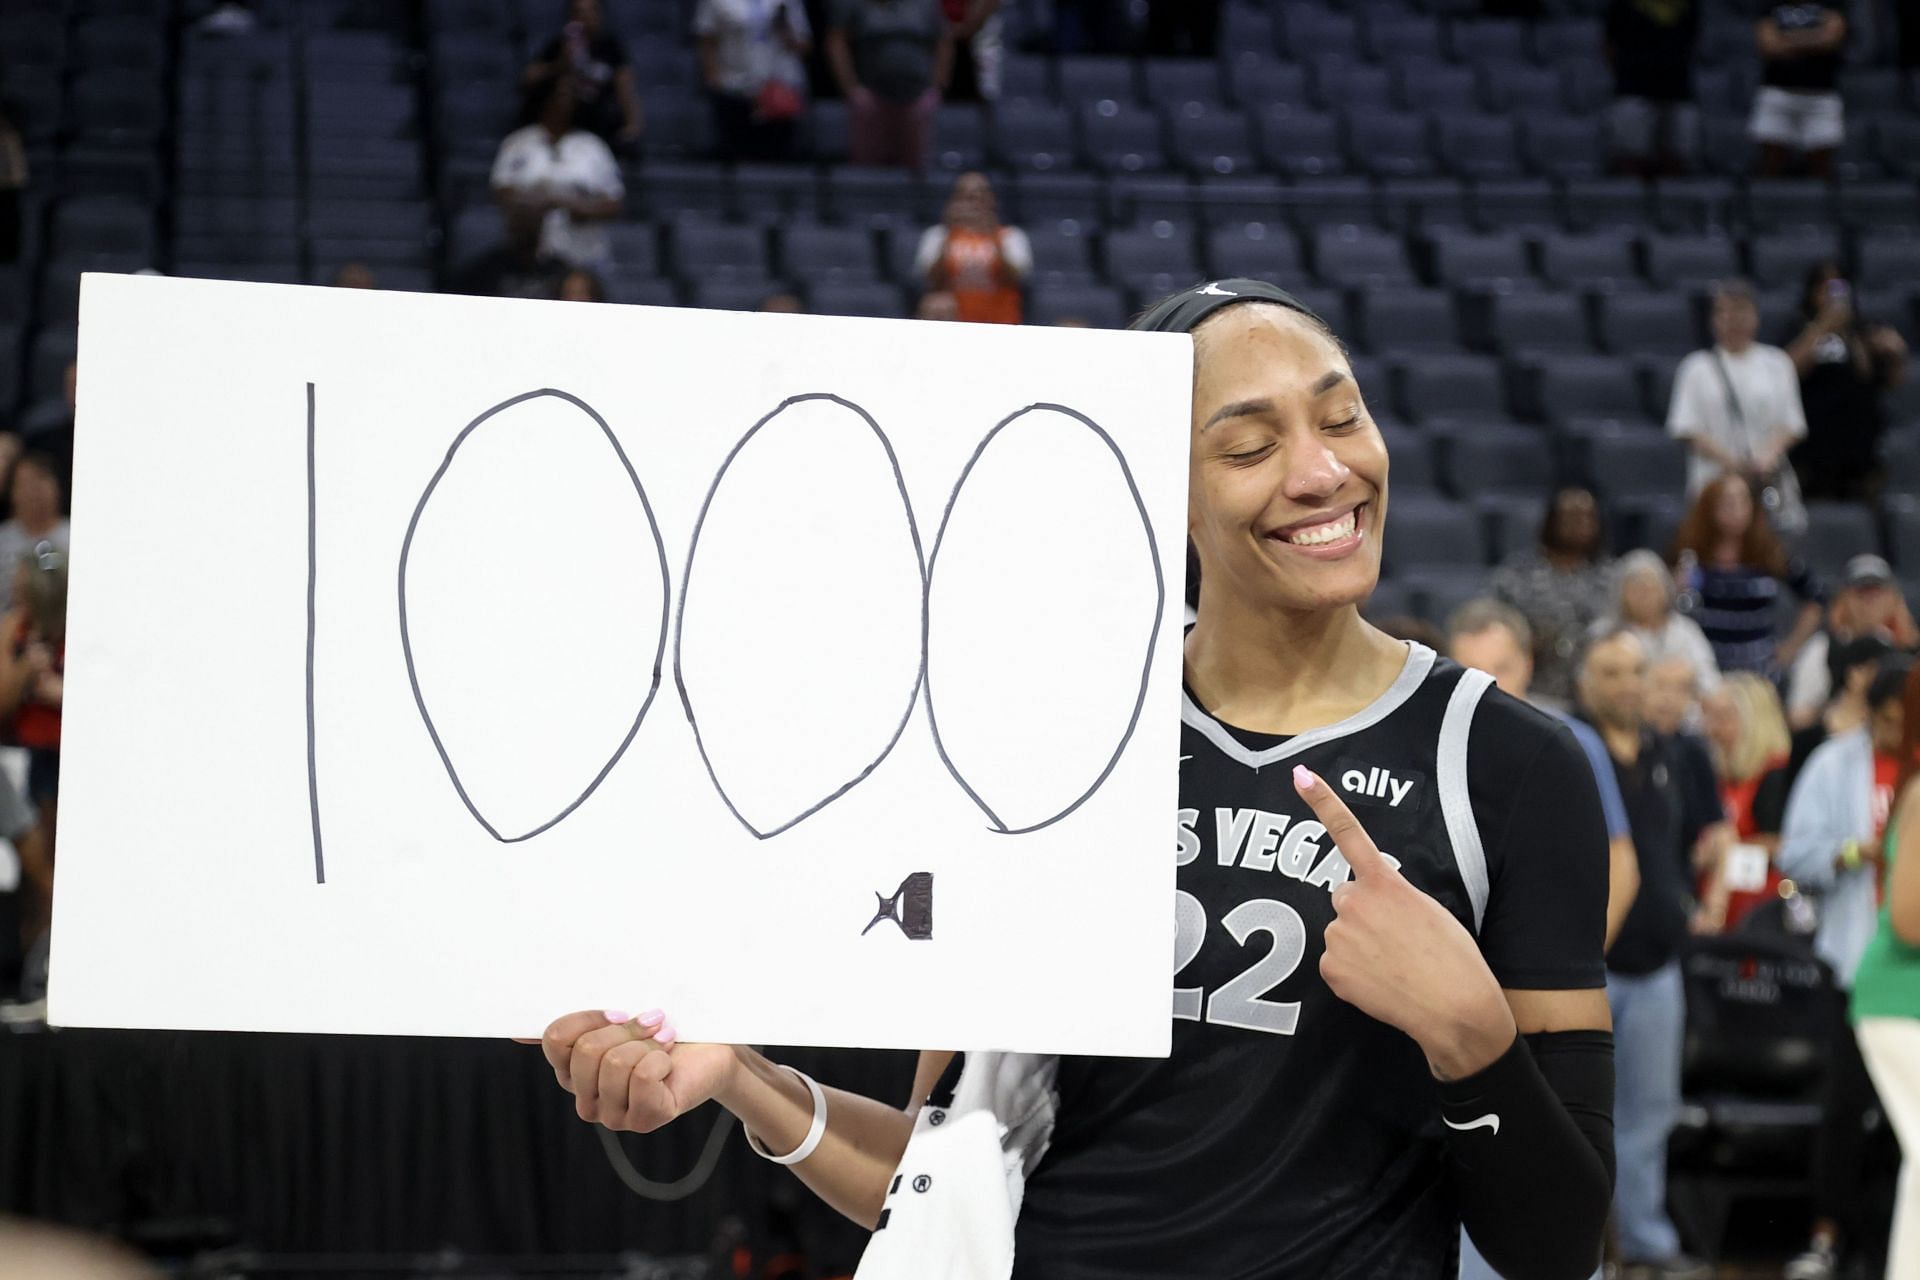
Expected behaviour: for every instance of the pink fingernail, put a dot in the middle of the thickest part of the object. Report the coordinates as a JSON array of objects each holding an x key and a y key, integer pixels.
[
  {"x": 1303, "y": 777},
  {"x": 664, "y": 1036},
  {"x": 614, "y": 1015},
  {"x": 651, "y": 1018}
]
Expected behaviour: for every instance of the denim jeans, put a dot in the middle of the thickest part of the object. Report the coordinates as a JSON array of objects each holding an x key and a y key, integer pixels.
[{"x": 1649, "y": 1022}]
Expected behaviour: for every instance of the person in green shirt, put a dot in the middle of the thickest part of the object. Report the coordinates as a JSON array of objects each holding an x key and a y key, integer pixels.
[{"x": 1886, "y": 995}]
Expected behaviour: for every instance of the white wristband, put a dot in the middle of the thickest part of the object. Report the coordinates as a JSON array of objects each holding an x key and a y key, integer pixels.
[{"x": 815, "y": 1131}]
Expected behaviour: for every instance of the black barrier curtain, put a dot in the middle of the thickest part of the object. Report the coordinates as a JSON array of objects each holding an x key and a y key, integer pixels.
[{"x": 369, "y": 1144}]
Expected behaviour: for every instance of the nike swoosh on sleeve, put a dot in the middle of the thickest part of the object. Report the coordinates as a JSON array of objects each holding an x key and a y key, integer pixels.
[{"x": 1488, "y": 1121}]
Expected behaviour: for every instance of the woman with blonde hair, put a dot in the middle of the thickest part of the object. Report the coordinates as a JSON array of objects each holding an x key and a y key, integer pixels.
[{"x": 1747, "y": 737}]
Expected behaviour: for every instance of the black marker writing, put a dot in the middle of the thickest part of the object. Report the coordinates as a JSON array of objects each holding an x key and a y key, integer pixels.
[{"x": 406, "y": 642}]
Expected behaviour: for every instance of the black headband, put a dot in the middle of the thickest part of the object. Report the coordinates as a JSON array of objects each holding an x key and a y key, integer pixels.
[{"x": 1184, "y": 311}]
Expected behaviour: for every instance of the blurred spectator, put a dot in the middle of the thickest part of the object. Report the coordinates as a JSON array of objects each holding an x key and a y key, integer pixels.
[
  {"x": 1886, "y": 995},
  {"x": 1797, "y": 108},
  {"x": 1830, "y": 844},
  {"x": 14, "y": 173},
  {"x": 783, "y": 304},
  {"x": 565, "y": 175},
  {"x": 1183, "y": 28},
  {"x": 1730, "y": 566},
  {"x": 1737, "y": 405},
  {"x": 1673, "y": 694},
  {"x": 1560, "y": 587},
  {"x": 581, "y": 285},
  {"x": 892, "y": 60},
  {"x": 1672, "y": 710},
  {"x": 594, "y": 61},
  {"x": 1846, "y": 364},
  {"x": 1747, "y": 734},
  {"x": 1643, "y": 966},
  {"x": 753, "y": 60},
  {"x": 1855, "y": 663},
  {"x": 518, "y": 267},
  {"x": 1655, "y": 124},
  {"x": 33, "y": 660},
  {"x": 979, "y": 49},
  {"x": 1643, "y": 601},
  {"x": 1867, "y": 603},
  {"x": 1493, "y": 637},
  {"x": 937, "y": 304},
  {"x": 355, "y": 275},
  {"x": 971, "y": 255},
  {"x": 37, "y": 527},
  {"x": 24, "y": 910}
]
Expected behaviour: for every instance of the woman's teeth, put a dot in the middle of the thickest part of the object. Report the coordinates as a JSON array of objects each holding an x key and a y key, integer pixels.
[{"x": 1319, "y": 534}]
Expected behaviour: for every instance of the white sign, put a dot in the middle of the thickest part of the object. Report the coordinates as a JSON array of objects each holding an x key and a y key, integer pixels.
[{"x": 439, "y": 665}]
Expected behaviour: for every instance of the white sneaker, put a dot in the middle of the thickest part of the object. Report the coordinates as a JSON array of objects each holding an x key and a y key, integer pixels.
[{"x": 1818, "y": 1263}]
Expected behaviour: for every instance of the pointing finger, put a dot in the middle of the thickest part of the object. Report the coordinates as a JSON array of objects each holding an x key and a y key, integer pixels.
[{"x": 1348, "y": 835}]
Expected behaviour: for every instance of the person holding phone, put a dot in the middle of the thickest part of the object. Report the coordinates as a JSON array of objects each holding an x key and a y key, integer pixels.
[
  {"x": 1846, "y": 363},
  {"x": 753, "y": 62},
  {"x": 585, "y": 52}
]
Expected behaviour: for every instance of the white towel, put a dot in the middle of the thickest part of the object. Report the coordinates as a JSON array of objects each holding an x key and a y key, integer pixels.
[{"x": 951, "y": 1206}]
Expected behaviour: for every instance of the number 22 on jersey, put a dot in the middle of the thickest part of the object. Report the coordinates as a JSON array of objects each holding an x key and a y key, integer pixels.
[{"x": 1238, "y": 1003}]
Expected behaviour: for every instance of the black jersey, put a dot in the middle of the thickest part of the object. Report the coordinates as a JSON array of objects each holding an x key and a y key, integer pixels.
[{"x": 1289, "y": 1134}]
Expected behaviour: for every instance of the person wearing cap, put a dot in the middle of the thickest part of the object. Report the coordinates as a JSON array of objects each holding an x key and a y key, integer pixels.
[
  {"x": 1388, "y": 996},
  {"x": 1869, "y": 602},
  {"x": 1736, "y": 405},
  {"x": 1831, "y": 844}
]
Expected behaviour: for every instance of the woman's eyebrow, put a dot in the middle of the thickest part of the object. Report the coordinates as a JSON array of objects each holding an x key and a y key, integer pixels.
[
  {"x": 1238, "y": 409},
  {"x": 1248, "y": 408}
]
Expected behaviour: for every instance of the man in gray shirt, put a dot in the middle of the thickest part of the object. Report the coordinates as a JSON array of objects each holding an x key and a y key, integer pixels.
[{"x": 892, "y": 59}]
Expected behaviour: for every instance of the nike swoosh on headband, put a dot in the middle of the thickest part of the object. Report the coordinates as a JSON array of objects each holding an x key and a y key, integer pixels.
[
  {"x": 1488, "y": 1121},
  {"x": 1215, "y": 291}
]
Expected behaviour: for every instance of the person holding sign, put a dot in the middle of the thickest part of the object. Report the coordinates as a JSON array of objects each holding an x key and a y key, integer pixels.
[{"x": 1389, "y": 1005}]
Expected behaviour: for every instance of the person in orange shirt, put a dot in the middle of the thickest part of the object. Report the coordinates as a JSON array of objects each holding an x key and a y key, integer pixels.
[{"x": 973, "y": 256}]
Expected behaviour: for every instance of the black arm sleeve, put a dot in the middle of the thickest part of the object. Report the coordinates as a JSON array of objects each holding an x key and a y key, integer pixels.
[{"x": 1531, "y": 1146}]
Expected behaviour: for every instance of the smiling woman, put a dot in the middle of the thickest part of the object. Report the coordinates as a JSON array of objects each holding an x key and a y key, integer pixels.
[{"x": 1385, "y": 1025}]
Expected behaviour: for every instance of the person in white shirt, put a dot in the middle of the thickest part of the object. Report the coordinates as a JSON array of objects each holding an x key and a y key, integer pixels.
[
  {"x": 1737, "y": 405},
  {"x": 566, "y": 175},
  {"x": 752, "y": 58}
]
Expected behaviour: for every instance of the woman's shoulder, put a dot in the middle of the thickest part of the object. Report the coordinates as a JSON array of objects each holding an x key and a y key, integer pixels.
[
  {"x": 1694, "y": 364},
  {"x": 1514, "y": 729}
]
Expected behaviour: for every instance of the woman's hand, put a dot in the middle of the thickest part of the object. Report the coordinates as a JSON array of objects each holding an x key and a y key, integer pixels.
[
  {"x": 630, "y": 1073},
  {"x": 1397, "y": 955}
]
